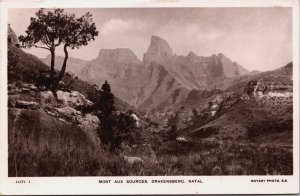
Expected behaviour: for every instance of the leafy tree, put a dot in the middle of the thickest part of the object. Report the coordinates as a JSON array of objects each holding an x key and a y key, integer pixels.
[
  {"x": 106, "y": 100},
  {"x": 105, "y": 107},
  {"x": 125, "y": 130},
  {"x": 115, "y": 128},
  {"x": 50, "y": 29}
]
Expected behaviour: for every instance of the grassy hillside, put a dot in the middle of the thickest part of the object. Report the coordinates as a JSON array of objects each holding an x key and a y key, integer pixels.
[
  {"x": 244, "y": 137},
  {"x": 41, "y": 145},
  {"x": 29, "y": 66}
]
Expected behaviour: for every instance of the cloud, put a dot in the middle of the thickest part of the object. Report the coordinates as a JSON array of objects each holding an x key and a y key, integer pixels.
[
  {"x": 115, "y": 26},
  {"x": 119, "y": 26},
  {"x": 194, "y": 31},
  {"x": 260, "y": 40}
]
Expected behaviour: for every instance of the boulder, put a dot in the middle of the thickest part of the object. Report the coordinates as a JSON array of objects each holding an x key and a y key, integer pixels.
[
  {"x": 144, "y": 151},
  {"x": 51, "y": 113},
  {"x": 182, "y": 139},
  {"x": 92, "y": 118},
  {"x": 136, "y": 119},
  {"x": 88, "y": 122},
  {"x": 68, "y": 113},
  {"x": 25, "y": 90},
  {"x": 27, "y": 105},
  {"x": 47, "y": 97},
  {"x": 133, "y": 160},
  {"x": 30, "y": 87},
  {"x": 73, "y": 98}
]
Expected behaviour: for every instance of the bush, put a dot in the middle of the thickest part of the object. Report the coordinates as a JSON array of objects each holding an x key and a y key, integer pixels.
[{"x": 265, "y": 127}]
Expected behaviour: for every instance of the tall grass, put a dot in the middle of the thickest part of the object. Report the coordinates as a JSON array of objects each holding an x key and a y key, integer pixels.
[{"x": 40, "y": 145}]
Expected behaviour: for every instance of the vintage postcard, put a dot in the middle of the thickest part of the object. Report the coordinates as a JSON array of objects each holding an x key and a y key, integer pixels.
[{"x": 149, "y": 97}]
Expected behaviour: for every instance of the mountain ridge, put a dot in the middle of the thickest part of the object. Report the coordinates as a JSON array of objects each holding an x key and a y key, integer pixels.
[{"x": 129, "y": 76}]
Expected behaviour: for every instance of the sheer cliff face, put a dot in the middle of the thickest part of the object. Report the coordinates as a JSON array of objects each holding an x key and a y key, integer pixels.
[
  {"x": 162, "y": 78},
  {"x": 159, "y": 51},
  {"x": 115, "y": 63},
  {"x": 121, "y": 68},
  {"x": 130, "y": 79},
  {"x": 119, "y": 55},
  {"x": 192, "y": 71}
]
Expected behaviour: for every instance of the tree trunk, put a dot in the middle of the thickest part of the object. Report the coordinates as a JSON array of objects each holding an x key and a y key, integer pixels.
[
  {"x": 62, "y": 71},
  {"x": 52, "y": 65}
]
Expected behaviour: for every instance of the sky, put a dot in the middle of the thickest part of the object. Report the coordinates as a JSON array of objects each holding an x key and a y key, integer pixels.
[{"x": 257, "y": 38}]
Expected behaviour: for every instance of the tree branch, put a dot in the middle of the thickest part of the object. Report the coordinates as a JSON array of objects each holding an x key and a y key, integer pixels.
[
  {"x": 41, "y": 47},
  {"x": 59, "y": 42}
]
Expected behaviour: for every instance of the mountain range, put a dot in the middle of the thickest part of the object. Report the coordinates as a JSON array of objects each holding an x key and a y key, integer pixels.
[
  {"x": 239, "y": 119},
  {"x": 162, "y": 80}
]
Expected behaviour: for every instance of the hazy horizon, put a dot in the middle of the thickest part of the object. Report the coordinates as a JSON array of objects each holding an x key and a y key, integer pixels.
[{"x": 257, "y": 38}]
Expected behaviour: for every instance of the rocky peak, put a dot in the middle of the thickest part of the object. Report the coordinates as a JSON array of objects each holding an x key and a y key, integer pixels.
[
  {"x": 223, "y": 59},
  {"x": 191, "y": 55},
  {"x": 11, "y": 36},
  {"x": 121, "y": 55},
  {"x": 221, "y": 56},
  {"x": 158, "y": 50},
  {"x": 159, "y": 45},
  {"x": 230, "y": 68}
]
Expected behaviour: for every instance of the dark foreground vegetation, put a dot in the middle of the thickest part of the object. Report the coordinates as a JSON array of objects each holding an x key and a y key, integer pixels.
[{"x": 73, "y": 154}]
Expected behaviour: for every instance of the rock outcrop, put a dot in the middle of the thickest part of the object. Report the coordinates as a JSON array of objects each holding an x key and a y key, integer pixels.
[
  {"x": 263, "y": 89},
  {"x": 72, "y": 99},
  {"x": 12, "y": 38},
  {"x": 120, "y": 55},
  {"x": 28, "y": 100},
  {"x": 121, "y": 68},
  {"x": 159, "y": 51},
  {"x": 27, "y": 105},
  {"x": 144, "y": 151}
]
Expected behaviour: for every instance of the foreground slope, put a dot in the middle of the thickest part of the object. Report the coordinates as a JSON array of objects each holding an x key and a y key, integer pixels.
[{"x": 256, "y": 108}]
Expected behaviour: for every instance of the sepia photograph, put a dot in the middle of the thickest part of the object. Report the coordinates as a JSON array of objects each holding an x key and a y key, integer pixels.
[{"x": 151, "y": 91}]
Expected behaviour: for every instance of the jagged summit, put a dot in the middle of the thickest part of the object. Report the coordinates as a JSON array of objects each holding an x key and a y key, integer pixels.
[
  {"x": 158, "y": 50},
  {"x": 158, "y": 44},
  {"x": 191, "y": 54},
  {"x": 221, "y": 55},
  {"x": 124, "y": 55}
]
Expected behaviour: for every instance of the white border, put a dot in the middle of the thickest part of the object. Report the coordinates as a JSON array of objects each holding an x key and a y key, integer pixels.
[{"x": 90, "y": 185}]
